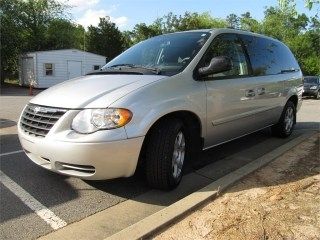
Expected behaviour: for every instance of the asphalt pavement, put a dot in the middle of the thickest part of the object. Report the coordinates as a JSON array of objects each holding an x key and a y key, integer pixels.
[{"x": 27, "y": 190}]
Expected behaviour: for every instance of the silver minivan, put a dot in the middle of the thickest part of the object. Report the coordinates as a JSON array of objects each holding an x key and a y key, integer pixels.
[{"x": 160, "y": 102}]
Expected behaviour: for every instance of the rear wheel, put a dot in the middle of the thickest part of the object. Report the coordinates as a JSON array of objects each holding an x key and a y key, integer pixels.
[
  {"x": 286, "y": 123},
  {"x": 166, "y": 154}
]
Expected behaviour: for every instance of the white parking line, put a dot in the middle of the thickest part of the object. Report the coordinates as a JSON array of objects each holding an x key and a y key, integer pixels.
[
  {"x": 10, "y": 153},
  {"x": 47, "y": 215}
]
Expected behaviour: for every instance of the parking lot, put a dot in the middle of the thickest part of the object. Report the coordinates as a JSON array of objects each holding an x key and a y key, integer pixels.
[{"x": 36, "y": 202}]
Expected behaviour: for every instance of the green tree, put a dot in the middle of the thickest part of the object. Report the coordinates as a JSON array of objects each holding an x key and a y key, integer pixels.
[
  {"x": 172, "y": 23},
  {"x": 283, "y": 23},
  {"x": 247, "y": 23},
  {"x": 62, "y": 34},
  {"x": 35, "y": 17},
  {"x": 300, "y": 33},
  {"x": 11, "y": 37},
  {"x": 308, "y": 3},
  {"x": 233, "y": 21},
  {"x": 142, "y": 31},
  {"x": 189, "y": 21},
  {"x": 24, "y": 25},
  {"x": 106, "y": 39}
]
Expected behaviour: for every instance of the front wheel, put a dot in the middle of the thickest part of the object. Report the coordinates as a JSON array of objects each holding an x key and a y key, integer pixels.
[
  {"x": 286, "y": 123},
  {"x": 318, "y": 95},
  {"x": 166, "y": 154}
]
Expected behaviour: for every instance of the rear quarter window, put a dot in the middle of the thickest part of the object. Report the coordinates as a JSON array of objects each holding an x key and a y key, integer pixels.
[{"x": 269, "y": 56}]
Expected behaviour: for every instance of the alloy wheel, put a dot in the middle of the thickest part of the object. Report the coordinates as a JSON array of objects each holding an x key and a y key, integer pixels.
[
  {"x": 178, "y": 155},
  {"x": 289, "y": 119}
]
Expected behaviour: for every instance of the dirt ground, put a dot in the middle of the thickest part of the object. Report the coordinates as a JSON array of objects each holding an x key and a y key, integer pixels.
[{"x": 280, "y": 201}]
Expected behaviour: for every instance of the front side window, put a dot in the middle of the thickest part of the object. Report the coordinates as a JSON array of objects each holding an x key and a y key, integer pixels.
[
  {"x": 227, "y": 45},
  {"x": 169, "y": 53},
  {"x": 48, "y": 69}
]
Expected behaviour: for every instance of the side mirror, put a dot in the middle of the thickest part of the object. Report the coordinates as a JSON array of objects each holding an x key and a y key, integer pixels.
[{"x": 217, "y": 65}]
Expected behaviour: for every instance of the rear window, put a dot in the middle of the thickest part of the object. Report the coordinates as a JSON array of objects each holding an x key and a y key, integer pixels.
[{"x": 268, "y": 56}]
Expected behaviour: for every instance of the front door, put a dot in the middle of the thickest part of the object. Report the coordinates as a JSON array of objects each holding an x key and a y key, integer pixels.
[
  {"x": 74, "y": 69},
  {"x": 231, "y": 94}
]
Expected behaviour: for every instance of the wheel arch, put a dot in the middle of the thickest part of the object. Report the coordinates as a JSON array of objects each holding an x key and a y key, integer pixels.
[{"x": 294, "y": 99}]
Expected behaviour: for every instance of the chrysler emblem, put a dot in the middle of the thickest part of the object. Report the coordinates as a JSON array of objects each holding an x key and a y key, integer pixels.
[{"x": 37, "y": 109}]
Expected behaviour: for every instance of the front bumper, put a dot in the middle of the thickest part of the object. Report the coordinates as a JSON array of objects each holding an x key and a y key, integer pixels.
[{"x": 91, "y": 160}]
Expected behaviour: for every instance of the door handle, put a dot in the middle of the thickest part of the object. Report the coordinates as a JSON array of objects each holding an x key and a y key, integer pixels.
[{"x": 250, "y": 93}]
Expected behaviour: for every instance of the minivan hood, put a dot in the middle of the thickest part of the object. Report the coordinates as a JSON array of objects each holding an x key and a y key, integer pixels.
[{"x": 92, "y": 91}]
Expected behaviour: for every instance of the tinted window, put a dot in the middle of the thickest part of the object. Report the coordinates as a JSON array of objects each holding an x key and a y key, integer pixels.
[
  {"x": 269, "y": 56},
  {"x": 230, "y": 46}
]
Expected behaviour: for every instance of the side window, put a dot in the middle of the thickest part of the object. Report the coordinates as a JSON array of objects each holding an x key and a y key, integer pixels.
[
  {"x": 268, "y": 56},
  {"x": 230, "y": 46},
  {"x": 48, "y": 69}
]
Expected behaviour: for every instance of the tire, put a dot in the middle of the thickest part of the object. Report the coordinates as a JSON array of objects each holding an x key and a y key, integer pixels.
[
  {"x": 287, "y": 121},
  {"x": 166, "y": 154},
  {"x": 317, "y": 96}
]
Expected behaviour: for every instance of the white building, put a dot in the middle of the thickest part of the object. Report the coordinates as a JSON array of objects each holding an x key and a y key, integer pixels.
[{"x": 47, "y": 68}]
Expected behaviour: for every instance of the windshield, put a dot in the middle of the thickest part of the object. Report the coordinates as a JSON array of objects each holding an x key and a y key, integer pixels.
[
  {"x": 169, "y": 54},
  {"x": 311, "y": 80}
]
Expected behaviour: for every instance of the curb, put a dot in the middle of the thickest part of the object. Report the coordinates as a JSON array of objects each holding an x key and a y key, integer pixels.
[{"x": 150, "y": 225}]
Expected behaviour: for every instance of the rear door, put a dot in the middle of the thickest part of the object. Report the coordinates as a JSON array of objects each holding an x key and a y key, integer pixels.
[
  {"x": 231, "y": 105},
  {"x": 272, "y": 68}
]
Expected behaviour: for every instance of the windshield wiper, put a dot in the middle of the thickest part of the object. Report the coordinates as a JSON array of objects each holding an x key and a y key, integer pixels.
[
  {"x": 122, "y": 65},
  {"x": 289, "y": 70},
  {"x": 130, "y": 65}
]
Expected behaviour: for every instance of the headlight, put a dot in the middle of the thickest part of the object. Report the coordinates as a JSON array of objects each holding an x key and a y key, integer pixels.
[
  {"x": 313, "y": 87},
  {"x": 92, "y": 120}
]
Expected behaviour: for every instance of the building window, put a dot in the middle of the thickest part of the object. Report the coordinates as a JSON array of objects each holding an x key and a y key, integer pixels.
[
  {"x": 96, "y": 67},
  {"x": 48, "y": 69}
]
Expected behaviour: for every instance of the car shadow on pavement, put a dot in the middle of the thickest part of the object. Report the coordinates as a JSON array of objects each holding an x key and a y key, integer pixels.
[{"x": 122, "y": 187}]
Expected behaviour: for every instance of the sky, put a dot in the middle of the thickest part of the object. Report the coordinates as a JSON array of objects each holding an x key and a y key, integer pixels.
[{"x": 127, "y": 13}]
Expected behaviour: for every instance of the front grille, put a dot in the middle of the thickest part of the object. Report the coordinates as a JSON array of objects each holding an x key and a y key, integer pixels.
[{"x": 37, "y": 120}]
